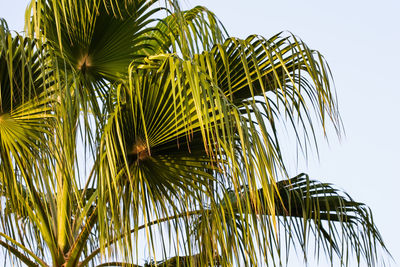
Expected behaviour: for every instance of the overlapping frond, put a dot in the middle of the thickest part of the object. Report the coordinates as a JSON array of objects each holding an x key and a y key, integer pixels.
[{"x": 170, "y": 103}]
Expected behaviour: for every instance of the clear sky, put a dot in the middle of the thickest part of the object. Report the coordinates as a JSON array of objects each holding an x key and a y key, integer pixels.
[{"x": 359, "y": 39}]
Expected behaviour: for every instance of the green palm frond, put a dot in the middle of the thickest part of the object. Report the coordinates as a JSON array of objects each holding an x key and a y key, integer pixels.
[
  {"x": 25, "y": 105},
  {"x": 191, "y": 32},
  {"x": 90, "y": 38},
  {"x": 277, "y": 78},
  {"x": 3, "y": 26},
  {"x": 138, "y": 156},
  {"x": 309, "y": 209}
]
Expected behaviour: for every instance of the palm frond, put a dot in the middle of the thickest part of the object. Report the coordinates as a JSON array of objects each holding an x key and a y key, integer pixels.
[
  {"x": 90, "y": 38},
  {"x": 191, "y": 32},
  {"x": 276, "y": 78},
  {"x": 311, "y": 209},
  {"x": 25, "y": 109}
]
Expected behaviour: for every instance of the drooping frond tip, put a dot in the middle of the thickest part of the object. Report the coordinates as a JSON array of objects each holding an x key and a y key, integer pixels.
[
  {"x": 343, "y": 225},
  {"x": 3, "y": 25},
  {"x": 313, "y": 215}
]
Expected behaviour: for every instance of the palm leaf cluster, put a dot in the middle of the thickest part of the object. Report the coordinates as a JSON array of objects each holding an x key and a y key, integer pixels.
[{"x": 131, "y": 124}]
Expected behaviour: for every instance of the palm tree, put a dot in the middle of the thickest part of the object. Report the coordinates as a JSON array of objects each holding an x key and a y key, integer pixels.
[{"x": 130, "y": 124}]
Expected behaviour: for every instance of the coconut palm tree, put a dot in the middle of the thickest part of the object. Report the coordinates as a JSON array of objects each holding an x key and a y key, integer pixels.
[{"x": 132, "y": 129}]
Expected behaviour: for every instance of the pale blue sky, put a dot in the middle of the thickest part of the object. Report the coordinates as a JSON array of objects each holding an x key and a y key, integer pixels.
[{"x": 359, "y": 39}]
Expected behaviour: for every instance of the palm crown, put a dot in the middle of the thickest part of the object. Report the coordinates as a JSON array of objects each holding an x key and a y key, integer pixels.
[{"x": 179, "y": 123}]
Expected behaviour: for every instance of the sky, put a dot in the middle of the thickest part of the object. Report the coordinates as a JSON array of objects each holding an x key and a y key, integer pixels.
[{"x": 359, "y": 40}]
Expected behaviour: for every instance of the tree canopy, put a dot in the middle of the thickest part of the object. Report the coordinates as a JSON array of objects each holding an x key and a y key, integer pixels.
[{"x": 132, "y": 124}]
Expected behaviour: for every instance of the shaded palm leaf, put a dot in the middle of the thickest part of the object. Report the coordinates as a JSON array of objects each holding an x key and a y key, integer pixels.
[
  {"x": 306, "y": 208},
  {"x": 95, "y": 41}
]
